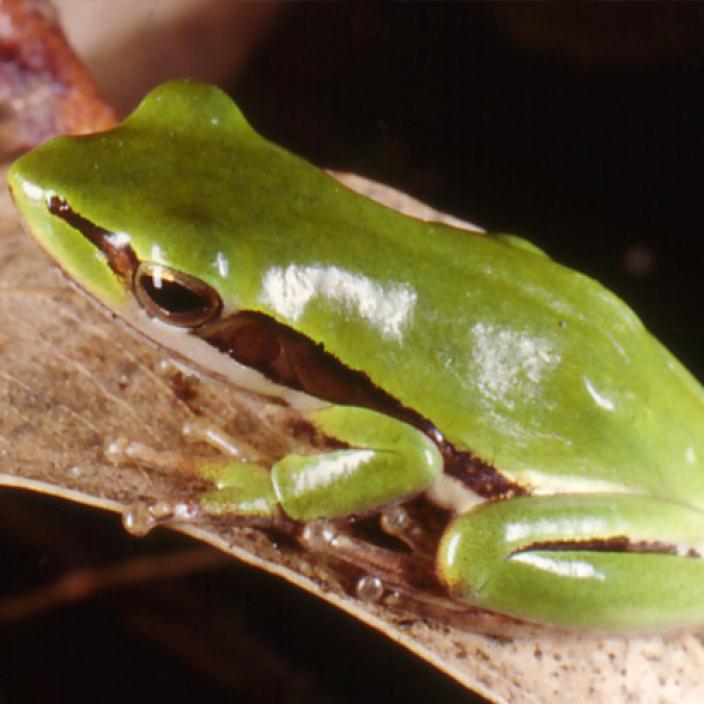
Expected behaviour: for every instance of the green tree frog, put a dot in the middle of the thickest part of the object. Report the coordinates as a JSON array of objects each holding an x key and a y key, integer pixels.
[{"x": 571, "y": 440}]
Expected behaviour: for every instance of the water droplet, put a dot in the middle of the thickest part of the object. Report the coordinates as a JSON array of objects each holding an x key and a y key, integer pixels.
[
  {"x": 141, "y": 517},
  {"x": 395, "y": 520},
  {"x": 137, "y": 519},
  {"x": 319, "y": 536},
  {"x": 76, "y": 471},
  {"x": 369, "y": 589}
]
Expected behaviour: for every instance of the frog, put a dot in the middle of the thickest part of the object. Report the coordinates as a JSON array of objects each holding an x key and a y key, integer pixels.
[{"x": 521, "y": 396}]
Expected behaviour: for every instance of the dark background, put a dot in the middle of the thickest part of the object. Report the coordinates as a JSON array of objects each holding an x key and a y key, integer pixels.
[{"x": 578, "y": 126}]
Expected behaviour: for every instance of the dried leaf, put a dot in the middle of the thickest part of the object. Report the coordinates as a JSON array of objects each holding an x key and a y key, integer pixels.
[{"x": 72, "y": 380}]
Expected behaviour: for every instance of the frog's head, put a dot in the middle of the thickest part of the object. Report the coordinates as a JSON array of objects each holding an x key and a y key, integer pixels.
[
  {"x": 152, "y": 216},
  {"x": 131, "y": 215},
  {"x": 123, "y": 269},
  {"x": 142, "y": 218}
]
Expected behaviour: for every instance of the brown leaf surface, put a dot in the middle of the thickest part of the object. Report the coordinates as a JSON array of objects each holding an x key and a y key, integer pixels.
[{"x": 71, "y": 381}]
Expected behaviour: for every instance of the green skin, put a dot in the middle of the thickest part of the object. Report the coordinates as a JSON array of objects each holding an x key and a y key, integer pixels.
[{"x": 536, "y": 369}]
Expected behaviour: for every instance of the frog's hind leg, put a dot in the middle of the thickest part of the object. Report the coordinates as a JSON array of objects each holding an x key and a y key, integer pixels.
[
  {"x": 376, "y": 461},
  {"x": 382, "y": 461},
  {"x": 609, "y": 561},
  {"x": 374, "y": 464}
]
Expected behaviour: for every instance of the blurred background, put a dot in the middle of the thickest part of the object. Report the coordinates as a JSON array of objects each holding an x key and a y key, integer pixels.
[{"x": 579, "y": 126}]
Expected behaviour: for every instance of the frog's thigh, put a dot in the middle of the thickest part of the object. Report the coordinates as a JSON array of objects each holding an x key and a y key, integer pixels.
[
  {"x": 387, "y": 461},
  {"x": 563, "y": 560}
]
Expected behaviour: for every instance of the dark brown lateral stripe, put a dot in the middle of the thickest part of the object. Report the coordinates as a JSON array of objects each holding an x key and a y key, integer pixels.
[
  {"x": 293, "y": 360},
  {"x": 617, "y": 543},
  {"x": 121, "y": 257}
]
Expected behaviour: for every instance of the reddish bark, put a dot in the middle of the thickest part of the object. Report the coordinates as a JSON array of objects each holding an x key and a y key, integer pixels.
[{"x": 45, "y": 89}]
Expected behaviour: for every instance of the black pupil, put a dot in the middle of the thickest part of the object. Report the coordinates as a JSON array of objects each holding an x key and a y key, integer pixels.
[{"x": 173, "y": 297}]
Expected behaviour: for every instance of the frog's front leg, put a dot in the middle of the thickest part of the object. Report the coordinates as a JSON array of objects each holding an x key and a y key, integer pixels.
[
  {"x": 582, "y": 561},
  {"x": 382, "y": 460}
]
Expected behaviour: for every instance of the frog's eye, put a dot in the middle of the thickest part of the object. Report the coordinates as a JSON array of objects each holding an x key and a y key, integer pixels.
[{"x": 174, "y": 297}]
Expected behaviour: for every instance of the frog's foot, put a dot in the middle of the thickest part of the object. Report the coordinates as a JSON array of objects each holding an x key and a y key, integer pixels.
[
  {"x": 581, "y": 561},
  {"x": 123, "y": 451},
  {"x": 200, "y": 430},
  {"x": 377, "y": 463},
  {"x": 400, "y": 580},
  {"x": 376, "y": 570},
  {"x": 411, "y": 563},
  {"x": 195, "y": 430},
  {"x": 241, "y": 488}
]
